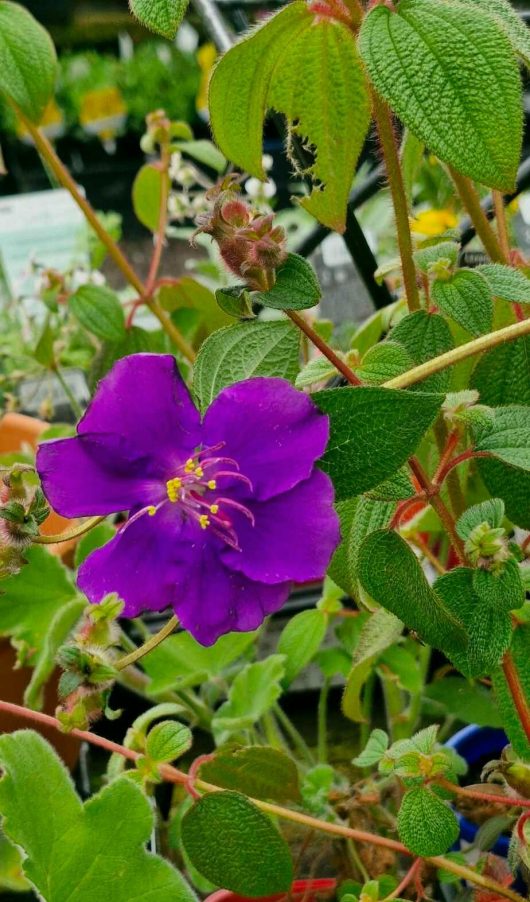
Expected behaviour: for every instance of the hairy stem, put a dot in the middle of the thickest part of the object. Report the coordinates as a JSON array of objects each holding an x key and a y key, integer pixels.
[
  {"x": 517, "y": 692},
  {"x": 387, "y": 138},
  {"x": 148, "y": 646},
  {"x": 323, "y": 347},
  {"x": 471, "y": 200},
  {"x": 68, "y": 534},
  {"x": 507, "y": 801},
  {"x": 173, "y": 775},
  {"x": 450, "y": 358},
  {"x": 65, "y": 179},
  {"x": 502, "y": 225},
  {"x": 160, "y": 235},
  {"x": 439, "y": 506}
]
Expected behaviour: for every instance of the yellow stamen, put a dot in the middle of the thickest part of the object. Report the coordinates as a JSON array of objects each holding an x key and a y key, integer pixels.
[
  {"x": 199, "y": 471},
  {"x": 189, "y": 466},
  {"x": 204, "y": 521},
  {"x": 173, "y": 488},
  {"x": 214, "y": 508},
  {"x": 151, "y": 510},
  {"x": 211, "y": 484}
]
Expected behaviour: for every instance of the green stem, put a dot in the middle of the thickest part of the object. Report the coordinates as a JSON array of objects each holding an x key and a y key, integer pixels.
[
  {"x": 450, "y": 358},
  {"x": 77, "y": 410},
  {"x": 148, "y": 646},
  {"x": 173, "y": 775},
  {"x": 471, "y": 200},
  {"x": 271, "y": 732},
  {"x": 398, "y": 726},
  {"x": 68, "y": 534},
  {"x": 368, "y": 697},
  {"x": 424, "y": 660},
  {"x": 294, "y": 735},
  {"x": 322, "y": 714},
  {"x": 387, "y": 138}
]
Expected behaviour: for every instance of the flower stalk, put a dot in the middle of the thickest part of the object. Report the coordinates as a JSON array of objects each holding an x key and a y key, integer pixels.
[
  {"x": 148, "y": 646},
  {"x": 68, "y": 534}
]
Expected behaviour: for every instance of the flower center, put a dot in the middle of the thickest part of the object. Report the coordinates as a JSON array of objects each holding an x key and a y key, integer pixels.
[{"x": 195, "y": 486}]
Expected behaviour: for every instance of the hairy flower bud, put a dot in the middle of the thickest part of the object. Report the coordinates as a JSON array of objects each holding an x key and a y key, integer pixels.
[{"x": 487, "y": 547}]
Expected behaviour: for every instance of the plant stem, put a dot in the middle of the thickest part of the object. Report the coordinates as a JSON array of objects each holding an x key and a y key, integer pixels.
[
  {"x": 75, "y": 406},
  {"x": 450, "y": 358},
  {"x": 148, "y": 646},
  {"x": 482, "y": 796},
  {"x": 294, "y": 735},
  {"x": 323, "y": 347},
  {"x": 427, "y": 552},
  {"x": 471, "y": 200},
  {"x": 411, "y": 874},
  {"x": 160, "y": 235},
  {"x": 68, "y": 534},
  {"x": 439, "y": 506},
  {"x": 173, "y": 775},
  {"x": 387, "y": 138},
  {"x": 517, "y": 692},
  {"x": 502, "y": 225},
  {"x": 322, "y": 745},
  {"x": 65, "y": 179}
]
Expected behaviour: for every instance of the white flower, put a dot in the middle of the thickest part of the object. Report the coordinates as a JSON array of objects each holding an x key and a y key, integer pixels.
[
  {"x": 267, "y": 161},
  {"x": 258, "y": 190}
]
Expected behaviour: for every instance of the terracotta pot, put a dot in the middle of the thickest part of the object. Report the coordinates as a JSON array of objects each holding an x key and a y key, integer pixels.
[
  {"x": 16, "y": 433},
  {"x": 308, "y": 890}
]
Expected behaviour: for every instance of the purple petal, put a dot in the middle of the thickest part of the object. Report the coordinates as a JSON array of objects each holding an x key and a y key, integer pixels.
[
  {"x": 138, "y": 564},
  {"x": 144, "y": 398},
  {"x": 95, "y": 475},
  {"x": 213, "y": 600},
  {"x": 274, "y": 432},
  {"x": 294, "y": 536}
]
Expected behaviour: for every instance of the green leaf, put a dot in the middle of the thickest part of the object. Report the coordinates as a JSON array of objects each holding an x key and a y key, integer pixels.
[
  {"x": 296, "y": 286},
  {"x": 161, "y": 16},
  {"x": 505, "y": 282},
  {"x": 446, "y": 252},
  {"x": 235, "y": 301},
  {"x": 425, "y": 335},
  {"x": 506, "y": 436},
  {"x": 374, "y": 749},
  {"x": 252, "y": 694},
  {"x": 300, "y": 641},
  {"x": 473, "y": 82},
  {"x": 469, "y": 702},
  {"x": 99, "y": 310},
  {"x": 317, "y": 370},
  {"x": 30, "y": 599},
  {"x": 377, "y": 634},
  {"x": 384, "y": 361},
  {"x": 466, "y": 298},
  {"x": 186, "y": 293},
  {"x": 103, "y": 862},
  {"x": 258, "y": 771},
  {"x": 386, "y": 561},
  {"x": 400, "y": 666},
  {"x": 11, "y": 874},
  {"x": 503, "y": 377},
  {"x": 28, "y": 63},
  {"x": 234, "y": 845},
  {"x": 244, "y": 350},
  {"x": 510, "y": 21},
  {"x": 426, "y": 825},
  {"x": 147, "y": 193},
  {"x": 338, "y": 569},
  {"x": 510, "y": 717},
  {"x": 490, "y": 511},
  {"x": 168, "y": 740},
  {"x": 373, "y": 432},
  {"x": 503, "y": 589},
  {"x": 44, "y": 352},
  {"x": 308, "y": 69},
  {"x": 455, "y": 588},
  {"x": 396, "y": 488},
  {"x": 180, "y": 661},
  {"x": 204, "y": 152},
  {"x": 44, "y": 663}
]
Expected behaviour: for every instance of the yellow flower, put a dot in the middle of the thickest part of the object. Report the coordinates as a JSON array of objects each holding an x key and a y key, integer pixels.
[
  {"x": 206, "y": 57},
  {"x": 433, "y": 222}
]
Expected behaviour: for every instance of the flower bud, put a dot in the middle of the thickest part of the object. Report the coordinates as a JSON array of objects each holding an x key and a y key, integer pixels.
[{"x": 487, "y": 547}]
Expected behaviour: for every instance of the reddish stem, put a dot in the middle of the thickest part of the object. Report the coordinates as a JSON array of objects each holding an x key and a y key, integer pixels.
[
  {"x": 519, "y": 312},
  {"x": 482, "y": 796},
  {"x": 403, "y": 507},
  {"x": 160, "y": 235},
  {"x": 431, "y": 492},
  {"x": 519, "y": 698},
  {"x": 411, "y": 875},
  {"x": 455, "y": 462},
  {"x": 450, "y": 445},
  {"x": 324, "y": 348}
]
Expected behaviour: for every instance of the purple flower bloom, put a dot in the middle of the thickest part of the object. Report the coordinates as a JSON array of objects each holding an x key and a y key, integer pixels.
[{"x": 223, "y": 514}]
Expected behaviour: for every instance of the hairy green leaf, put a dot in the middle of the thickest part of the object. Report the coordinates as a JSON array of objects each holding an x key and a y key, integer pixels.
[
  {"x": 378, "y": 633},
  {"x": 490, "y": 511},
  {"x": 466, "y": 298},
  {"x": 373, "y": 432},
  {"x": 426, "y": 825},
  {"x": 384, "y": 361},
  {"x": 28, "y": 63},
  {"x": 252, "y": 694},
  {"x": 161, "y": 16},
  {"x": 244, "y": 350},
  {"x": 469, "y": 702},
  {"x": 168, "y": 740},
  {"x": 99, "y": 311},
  {"x": 235, "y": 845},
  {"x": 147, "y": 194},
  {"x": 103, "y": 862},
  {"x": 374, "y": 749},
  {"x": 468, "y": 109},
  {"x": 425, "y": 335},
  {"x": 445, "y": 252},
  {"x": 260, "y": 772},
  {"x": 504, "y": 281},
  {"x": 296, "y": 286},
  {"x": 506, "y": 436},
  {"x": 180, "y": 661},
  {"x": 509, "y": 19},
  {"x": 309, "y": 70}
]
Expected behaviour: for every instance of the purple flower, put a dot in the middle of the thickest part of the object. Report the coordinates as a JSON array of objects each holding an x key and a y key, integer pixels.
[{"x": 223, "y": 514}]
